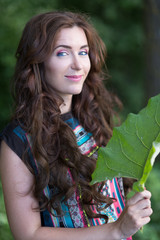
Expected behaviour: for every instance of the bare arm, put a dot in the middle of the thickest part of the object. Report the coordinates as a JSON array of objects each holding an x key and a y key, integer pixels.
[{"x": 25, "y": 223}]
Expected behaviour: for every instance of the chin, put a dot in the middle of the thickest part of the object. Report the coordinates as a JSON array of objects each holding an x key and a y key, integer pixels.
[{"x": 77, "y": 92}]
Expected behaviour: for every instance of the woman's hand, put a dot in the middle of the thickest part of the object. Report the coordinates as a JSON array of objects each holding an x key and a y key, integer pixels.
[{"x": 135, "y": 214}]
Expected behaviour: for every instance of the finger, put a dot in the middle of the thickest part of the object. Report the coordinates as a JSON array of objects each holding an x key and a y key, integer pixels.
[
  {"x": 139, "y": 196},
  {"x": 146, "y": 212},
  {"x": 142, "y": 222},
  {"x": 143, "y": 203}
]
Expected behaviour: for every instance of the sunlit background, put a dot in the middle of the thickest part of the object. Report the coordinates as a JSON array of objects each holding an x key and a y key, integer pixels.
[{"x": 131, "y": 32}]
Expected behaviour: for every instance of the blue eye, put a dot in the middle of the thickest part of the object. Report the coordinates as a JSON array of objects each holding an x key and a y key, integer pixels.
[
  {"x": 62, "y": 53},
  {"x": 83, "y": 53}
]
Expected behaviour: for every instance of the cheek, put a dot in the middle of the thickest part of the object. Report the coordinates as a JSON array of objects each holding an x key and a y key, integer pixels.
[
  {"x": 51, "y": 70},
  {"x": 58, "y": 67},
  {"x": 50, "y": 75},
  {"x": 88, "y": 66}
]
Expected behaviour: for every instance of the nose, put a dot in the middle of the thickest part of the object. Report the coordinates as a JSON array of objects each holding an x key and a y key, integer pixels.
[{"x": 76, "y": 63}]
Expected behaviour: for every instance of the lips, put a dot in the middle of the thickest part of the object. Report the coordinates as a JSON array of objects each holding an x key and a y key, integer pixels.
[{"x": 75, "y": 78}]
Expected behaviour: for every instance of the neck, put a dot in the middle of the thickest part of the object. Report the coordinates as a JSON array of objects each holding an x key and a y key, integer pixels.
[{"x": 66, "y": 105}]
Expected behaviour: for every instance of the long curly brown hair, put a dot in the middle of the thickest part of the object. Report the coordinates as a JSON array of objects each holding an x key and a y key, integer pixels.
[{"x": 37, "y": 107}]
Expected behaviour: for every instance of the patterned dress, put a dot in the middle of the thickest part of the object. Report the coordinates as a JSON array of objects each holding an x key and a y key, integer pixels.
[{"x": 74, "y": 215}]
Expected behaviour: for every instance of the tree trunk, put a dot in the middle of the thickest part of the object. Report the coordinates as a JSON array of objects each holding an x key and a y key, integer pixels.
[{"x": 152, "y": 47}]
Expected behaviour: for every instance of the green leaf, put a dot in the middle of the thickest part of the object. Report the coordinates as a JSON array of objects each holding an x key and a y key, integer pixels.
[
  {"x": 139, "y": 185},
  {"x": 133, "y": 147}
]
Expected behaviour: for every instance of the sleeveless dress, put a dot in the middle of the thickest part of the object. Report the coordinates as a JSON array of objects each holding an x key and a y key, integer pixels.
[{"x": 74, "y": 215}]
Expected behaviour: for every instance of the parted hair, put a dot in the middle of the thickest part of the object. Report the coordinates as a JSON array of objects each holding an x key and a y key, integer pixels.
[{"x": 37, "y": 108}]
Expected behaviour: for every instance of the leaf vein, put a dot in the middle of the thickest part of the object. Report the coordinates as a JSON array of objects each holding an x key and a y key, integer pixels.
[
  {"x": 140, "y": 138},
  {"x": 131, "y": 160},
  {"x": 115, "y": 170}
]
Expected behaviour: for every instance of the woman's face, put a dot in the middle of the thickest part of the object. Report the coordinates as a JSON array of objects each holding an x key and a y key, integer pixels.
[{"x": 69, "y": 64}]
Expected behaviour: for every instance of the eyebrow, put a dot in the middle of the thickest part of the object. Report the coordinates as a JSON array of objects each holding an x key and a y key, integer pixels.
[{"x": 69, "y": 47}]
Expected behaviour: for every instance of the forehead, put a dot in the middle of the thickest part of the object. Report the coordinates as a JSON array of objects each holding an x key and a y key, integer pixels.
[{"x": 69, "y": 36}]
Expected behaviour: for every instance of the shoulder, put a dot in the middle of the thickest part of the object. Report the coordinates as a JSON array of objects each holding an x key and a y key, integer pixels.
[
  {"x": 12, "y": 149},
  {"x": 20, "y": 142},
  {"x": 15, "y": 137}
]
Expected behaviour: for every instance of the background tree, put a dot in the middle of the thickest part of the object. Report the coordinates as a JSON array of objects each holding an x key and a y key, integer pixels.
[
  {"x": 152, "y": 46},
  {"x": 132, "y": 50}
]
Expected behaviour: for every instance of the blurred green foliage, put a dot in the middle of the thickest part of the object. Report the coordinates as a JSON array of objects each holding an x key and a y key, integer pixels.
[
  {"x": 120, "y": 24},
  {"x": 5, "y": 233}
]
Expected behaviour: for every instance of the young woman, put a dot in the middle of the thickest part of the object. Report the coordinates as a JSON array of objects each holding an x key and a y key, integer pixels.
[{"x": 63, "y": 114}]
